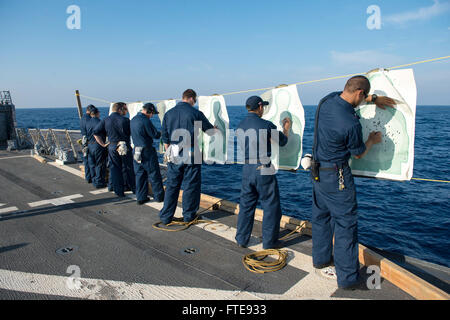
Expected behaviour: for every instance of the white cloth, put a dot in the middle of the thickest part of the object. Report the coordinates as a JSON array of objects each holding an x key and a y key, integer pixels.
[
  {"x": 137, "y": 154},
  {"x": 306, "y": 161},
  {"x": 172, "y": 154},
  {"x": 122, "y": 148},
  {"x": 284, "y": 102},
  {"x": 393, "y": 158},
  {"x": 215, "y": 147}
]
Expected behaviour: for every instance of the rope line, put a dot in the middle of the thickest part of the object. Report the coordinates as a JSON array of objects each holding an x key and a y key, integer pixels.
[
  {"x": 255, "y": 263},
  {"x": 296, "y": 230},
  {"x": 420, "y": 62},
  {"x": 418, "y": 179},
  {"x": 303, "y": 170},
  {"x": 431, "y": 180},
  {"x": 94, "y": 99},
  {"x": 299, "y": 83},
  {"x": 308, "y": 82},
  {"x": 179, "y": 222},
  {"x": 185, "y": 225}
]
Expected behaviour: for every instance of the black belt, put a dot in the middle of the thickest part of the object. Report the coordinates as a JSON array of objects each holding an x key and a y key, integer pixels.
[
  {"x": 335, "y": 166},
  {"x": 328, "y": 169}
]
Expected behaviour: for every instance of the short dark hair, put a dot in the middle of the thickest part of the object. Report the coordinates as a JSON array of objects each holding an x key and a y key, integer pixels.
[
  {"x": 357, "y": 83},
  {"x": 253, "y": 108},
  {"x": 89, "y": 108},
  {"x": 189, "y": 93},
  {"x": 94, "y": 111},
  {"x": 149, "y": 107},
  {"x": 118, "y": 106}
]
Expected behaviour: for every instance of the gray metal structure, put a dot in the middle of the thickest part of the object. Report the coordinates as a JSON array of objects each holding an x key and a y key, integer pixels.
[
  {"x": 7, "y": 120},
  {"x": 61, "y": 143}
]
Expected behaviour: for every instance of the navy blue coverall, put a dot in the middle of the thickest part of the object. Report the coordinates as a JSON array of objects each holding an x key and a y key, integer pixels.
[
  {"x": 339, "y": 135},
  {"x": 117, "y": 128},
  {"x": 87, "y": 172},
  {"x": 183, "y": 116},
  {"x": 143, "y": 132},
  {"x": 256, "y": 185},
  {"x": 97, "y": 155}
]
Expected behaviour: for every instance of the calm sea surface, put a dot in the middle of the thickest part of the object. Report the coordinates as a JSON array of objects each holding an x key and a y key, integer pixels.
[{"x": 411, "y": 218}]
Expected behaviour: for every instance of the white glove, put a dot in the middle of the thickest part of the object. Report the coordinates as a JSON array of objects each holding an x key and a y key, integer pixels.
[
  {"x": 137, "y": 154},
  {"x": 306, "y": 161},
  {"x": 85, "y": 151},
  {"x": 172, "y": 153},
  {"x": 122, "y": 148}
]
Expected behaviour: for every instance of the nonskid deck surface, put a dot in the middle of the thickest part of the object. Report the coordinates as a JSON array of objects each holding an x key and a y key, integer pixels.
[{"x": 120, "y": 256}]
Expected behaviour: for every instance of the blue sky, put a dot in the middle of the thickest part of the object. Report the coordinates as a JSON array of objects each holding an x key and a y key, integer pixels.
[{"x": 144, "y": 50}]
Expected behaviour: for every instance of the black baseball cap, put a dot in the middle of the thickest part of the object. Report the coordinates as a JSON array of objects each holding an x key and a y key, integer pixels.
[
  {"x": 150, "y": 108},
  {"x": 254, "y": 101},
  {"x": 90, "y": 108},
  {"x": 93, "y": 110}
]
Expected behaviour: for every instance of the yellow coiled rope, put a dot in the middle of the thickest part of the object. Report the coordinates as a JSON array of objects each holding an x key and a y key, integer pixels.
[
  {"x": 181, "y": 225},
  {"x": 255, "y": 262}
]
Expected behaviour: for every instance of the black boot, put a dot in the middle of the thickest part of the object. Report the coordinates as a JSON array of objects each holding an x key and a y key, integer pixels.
[{"x": 140, "y": 202}]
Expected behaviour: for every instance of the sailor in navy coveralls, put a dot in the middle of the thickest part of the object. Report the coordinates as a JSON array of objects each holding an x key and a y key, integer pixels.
[
  {"x": 338, "y": 136},
  {"x": 97, "y": 153},
  {"x": 84, "y": 119},
  {"x": 117, "y": 128},
  {"x": 146, "y": 167},
  {"x": 258, "y": 175},
  {"x": 180, "y": 119}
]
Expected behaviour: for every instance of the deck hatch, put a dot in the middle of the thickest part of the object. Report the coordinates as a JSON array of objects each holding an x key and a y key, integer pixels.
[
  {"x": 67, "y": 250},
  {"x": 189, "y": 250}
]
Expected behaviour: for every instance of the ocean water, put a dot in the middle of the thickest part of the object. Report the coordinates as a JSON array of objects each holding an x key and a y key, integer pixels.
[{"x": 410, "y": 218}]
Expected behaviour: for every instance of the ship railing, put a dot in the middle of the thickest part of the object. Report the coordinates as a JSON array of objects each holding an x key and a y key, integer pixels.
[{"x": 63, "y": 144}]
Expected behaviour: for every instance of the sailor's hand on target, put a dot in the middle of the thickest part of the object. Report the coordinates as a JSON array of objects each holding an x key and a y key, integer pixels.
[
  {"x": 375, "y": 137},
  {"x": 383, "y": 102}
]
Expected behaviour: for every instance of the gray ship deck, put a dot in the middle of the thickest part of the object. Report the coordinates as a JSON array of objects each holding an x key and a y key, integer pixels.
[{"x": 121, "y": 256}]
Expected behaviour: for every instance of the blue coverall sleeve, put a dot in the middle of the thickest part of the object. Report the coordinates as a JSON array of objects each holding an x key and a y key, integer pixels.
[
  {"x": 151, "y": 130},
  {"x": 282, "y": 139},
  {"x": 206, "y": 125},
  {"x": 164, "y": 133},
  {"x": 355, "y": 143}
]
